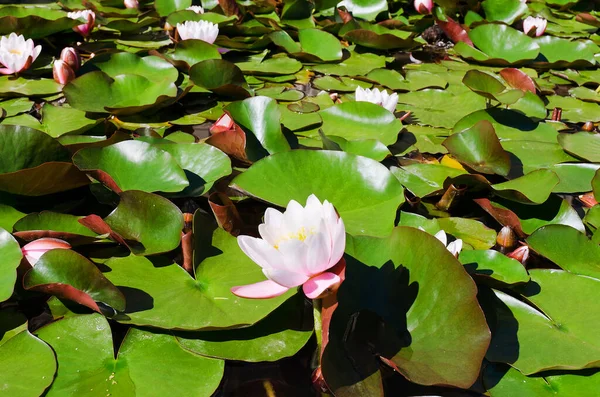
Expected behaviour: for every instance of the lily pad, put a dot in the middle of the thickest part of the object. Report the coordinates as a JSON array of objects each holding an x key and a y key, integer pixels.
[
  {"x": 11, "y": 258},
  {"x": 493, "y": 264},
  {"x": 367, "y": 201},
  {"x": 151, "y": 67},
  {"x": 142, "y": 356},
  {"x": 221, "y": 77}
]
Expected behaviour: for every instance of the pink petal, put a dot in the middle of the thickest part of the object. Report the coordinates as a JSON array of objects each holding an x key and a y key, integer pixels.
[
  {"x": 34, "y": 250},
  {"x": 319, "y": 284},
  {"x": 260, "y": 290}
]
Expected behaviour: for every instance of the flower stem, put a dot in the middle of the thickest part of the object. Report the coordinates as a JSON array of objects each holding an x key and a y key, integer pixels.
[{"x": 318, "y": 327}]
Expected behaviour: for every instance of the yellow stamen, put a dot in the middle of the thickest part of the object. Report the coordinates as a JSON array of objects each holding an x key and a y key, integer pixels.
[
  {"x": 15, "y": 51},
  {"x": 302, "y": 234}
]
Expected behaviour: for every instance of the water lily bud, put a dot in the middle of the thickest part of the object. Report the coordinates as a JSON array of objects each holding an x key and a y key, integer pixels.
[
  {"x": 199, "y": 30},
  {"x": 521, "y": 254},
  {"x": 424, "y": 6},
  {"x": 539, "y": 24},
  {"x": 454, "y": 247},
  {"x": 70, "y": 56},
  {"x": 62, "y": 72},
  {"x": 35, "y": 249},
  {"x": 196, "y": 9},
  {"x": 506, "y": 237},
  {"x": 224, "y": 123},
  {"x": 588, "y": 126},
  {"x": 168, "y": 27},
  {"x": 381, "y": 98},
  {"x": 16, "y": 53},
  {"x": 297, "y": 247},
  {"x": 86, "y": 28},
  {"x": 131, "y": 3},
  {"x": 588, "y": 199}
]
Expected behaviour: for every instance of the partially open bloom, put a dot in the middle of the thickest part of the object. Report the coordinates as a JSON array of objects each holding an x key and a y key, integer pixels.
[
  {"x": 16, "y": 53},
  {"x": 539, "y": 24},
  {"x": 86, "y": 28},
  {"x": 199, "y": 30},
  {"x": 62, "y": 72},
  {"x": 196, "y": 9},
  {"x": 70, "y": 56},
  {"x": 424, "y": 6},
  {"x": 35, "y": 249},
  {"x": 297, "y": 247},
  {"x": 131, "y": 3},
  {"x": 224, "y": 123},
  {"x": 454, "y": 247},
  {"x": 381, "y": 98},
  {"x": 521, "y": 254}
]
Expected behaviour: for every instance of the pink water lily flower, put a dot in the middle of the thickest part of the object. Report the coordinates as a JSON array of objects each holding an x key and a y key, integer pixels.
[
  {"x": 297, "y": 247},
  {"x": 35, "y": 249},
  {"x": 85, "y": 28},
  {"x": 424, "y": 6},
  {"x": 539, "y": 24},
  {"x": 62, "y": 72},
  {"x": 16, "y": 53}
]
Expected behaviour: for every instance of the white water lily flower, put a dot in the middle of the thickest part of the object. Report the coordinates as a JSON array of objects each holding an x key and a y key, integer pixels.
[
  {"x": 196, "y": 9},
  {"x": 297, "y": 247},
  {"x": 349, "y": 6},
  {"x": 454, "y": 247},
  {"x": 199, "y": 30},
  {"x": 381, "y": 98},
  {"x": 85, "y": 28},
  {"x": 539, "y": 24},
  {"x": 16, "y": 53}
]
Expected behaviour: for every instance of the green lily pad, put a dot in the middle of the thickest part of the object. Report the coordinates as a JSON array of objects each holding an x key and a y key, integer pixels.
[
  {"x": 11, "y": 87},
  {"x": 151, "y": 67},
  {"x": 166, "y": 7},
  {"x": 506, "y": 11},
  {"x": 493, "y": 264},
  {"x": 478, "y": 147},
  {"x": 366, "y": 9},
  {"x": 361, "y": 120},
  {"x": 387, "y": 287},
  {"x": 272, "y": 66},
  {"x": 471, "y": 231},
  {"x": 125, "y": 94},
  {"x": 27, "y": 366},
  {"x": 341, "y": 84},
  {"x": 367, "y": 201},
  {"x": 221, "y": 77},
  {"x": 69, "y": 275},
  {"x": 532, "y": 188},
  {"x": 11, "y": 258},
  {"x": 281, "y": 334},
  {"x": 553, "y": 334},
  {"x": 53, "y": 224},
  {"x": 377, "y": 36},
  {"x": 38, "y": 22},
  {"x": 261, "y": 117},
  {"x": 164, "y": 295},
  {"x": 556, "y": 49},
  {"x": 90, "y": 364},
  {"x": 568, "y": 248},
  {"x": 581, "y": 144},
  {"x": 357, "y": 65},
  {"x": 574, "y": 177},
  {"x": 424, "y": 179},
  {"x": 193, "y": 51},
  {"x": 574, "y": 110},
  {"x": 61, "y": 120},
  {"x": 320, "y": 44},
  {"x": 133, "y": 165},
  {"x": 500, "y": 44},
  {"x": 150, "y": 224}
]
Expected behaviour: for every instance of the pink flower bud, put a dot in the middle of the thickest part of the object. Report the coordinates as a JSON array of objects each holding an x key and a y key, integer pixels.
[
  {"x": 70, "y": 56},
  {"x": 537, "y": 24},
  {"x": 131, "y": 3},
  {"x": 86, "y": 28},
  {"x": 35, "y": 249},
  {"x": 62, "y": 72},
  {"x": 521, "y": 254},
  {"x": 424, "y": 6}
]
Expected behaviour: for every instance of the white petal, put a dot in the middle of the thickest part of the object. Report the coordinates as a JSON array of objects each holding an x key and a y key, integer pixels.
[
  {"x": 338, "y": 242},
  {"x": 441, "y": 235},
  {"x": 319, "y": 252},
  {"x": 263, "y": 254},
  {"x": 285, "y": 278},
  {"x": 455, "y": 247},
  {"x": 295, "y": 256}
]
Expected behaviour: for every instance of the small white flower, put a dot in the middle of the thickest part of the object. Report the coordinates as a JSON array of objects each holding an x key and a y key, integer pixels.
[
  {"x": 454, "y": 247},
  {"x": 86, "y": 28},
  {"x": 199, "y": 30},
  {"x": 298, "y": 247},
  {"x": 196, "y": 9},
  {"x": 539, "y": 24},
  {"x": 349, "y": 6},
  {"x": 16, "y": 53},
  {"x": 381, "y": 98}
]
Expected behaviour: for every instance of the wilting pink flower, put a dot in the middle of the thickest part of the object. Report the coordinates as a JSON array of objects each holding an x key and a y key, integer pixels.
[
  {"x": 539, "y": 24},
  {"x": 16, "y": 53},
  {"x": 35, "y": 249},
  {"x": 297, "y": 247},
  {"x": 86, "y": 28},
  {"x": 131, "y": 3},
  {"x": 70, "y": 56},
  {"x": 62, "y": 72},
  {"x": 381, "y": 98},
  {"x": 424, "y": 6}
]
